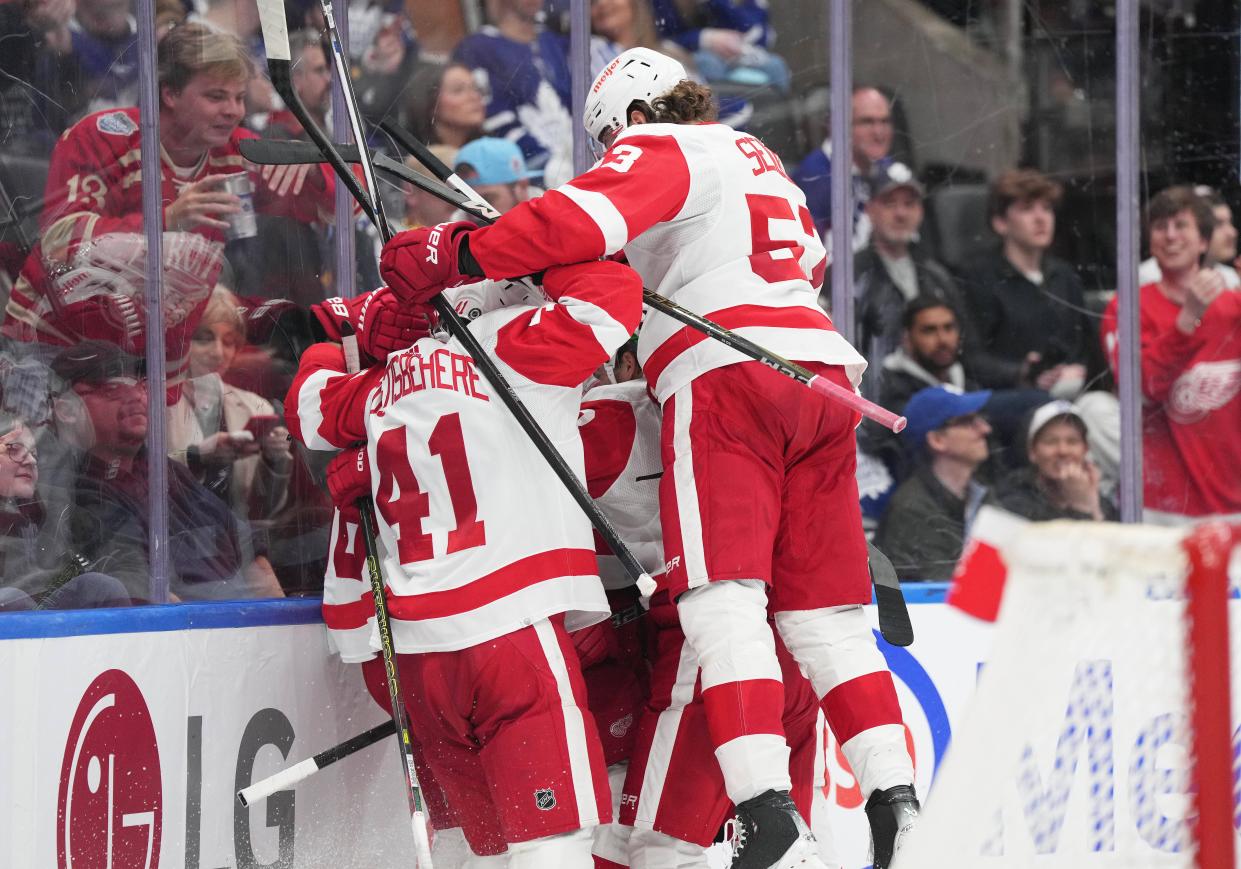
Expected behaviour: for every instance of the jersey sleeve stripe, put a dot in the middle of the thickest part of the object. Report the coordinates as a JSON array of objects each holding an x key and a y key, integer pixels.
[
  {"x": 307, "y": 424},
  {"x": 512, "y": 578},
  {"x": 604, "y": 213},
  {"x": 737, "y": 317}
]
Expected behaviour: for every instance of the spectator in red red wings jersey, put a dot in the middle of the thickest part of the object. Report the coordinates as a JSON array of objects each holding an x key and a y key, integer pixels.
[
  {"x": 1191, "y": 367},
  {"x": 758, "y": 500},
  {"x": 94, "y": 190},
  {"x": 490, "y": 564}
]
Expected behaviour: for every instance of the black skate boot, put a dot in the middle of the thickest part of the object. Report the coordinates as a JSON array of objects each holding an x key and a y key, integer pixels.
[
  {"x": 891, "y": 813},
  {"x": 770, "y": 834}
]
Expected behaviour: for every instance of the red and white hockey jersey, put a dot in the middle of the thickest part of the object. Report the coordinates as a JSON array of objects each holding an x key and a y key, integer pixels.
[
  {"x": 620, "y": 435},
  {"x": 346, "y": 588},
  {"x": 94, "y": 188},
  {"x": 345, "y": 580},
  {"x": 708, "y": 218},
  {"x": 1191, "y": 413},
  {"x": 481, "y": 537}
]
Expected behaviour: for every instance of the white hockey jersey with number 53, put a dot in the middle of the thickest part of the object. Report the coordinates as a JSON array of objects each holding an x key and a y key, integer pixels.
[
  {"x": 482, "y": 538},
  {"x": 708, "y": 218}
]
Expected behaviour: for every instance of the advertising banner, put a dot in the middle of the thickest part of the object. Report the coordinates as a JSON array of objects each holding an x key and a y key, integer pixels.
[{"x": 132, "y": 746}]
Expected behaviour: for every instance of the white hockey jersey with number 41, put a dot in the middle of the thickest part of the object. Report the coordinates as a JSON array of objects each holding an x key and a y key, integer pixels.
[
  {"x": 709, "y": 219},
  {"x": 482, "y": 538}
]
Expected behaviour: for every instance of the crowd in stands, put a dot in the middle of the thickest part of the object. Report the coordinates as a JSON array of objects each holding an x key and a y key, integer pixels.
[{"x": 1004, "y": 364}]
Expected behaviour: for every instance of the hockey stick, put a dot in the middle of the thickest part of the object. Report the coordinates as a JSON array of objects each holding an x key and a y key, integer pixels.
[
  {"x": 470, "y": 202},
  {"x": 894, "y": 622},
  {"x": 276, "y": 38},
  {"x": 278, "y": 65},
  {"x": 304, "y": 769},
  {"x": 281, "y": 152},
  {"x": 276, "y": 42},
  {"x": 400, "y": 719}
]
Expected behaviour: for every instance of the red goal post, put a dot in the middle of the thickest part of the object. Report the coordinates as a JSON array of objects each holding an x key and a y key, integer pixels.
[
  {"x": 1211, "y": 549},
  {"x": 1101, "y": 729}
]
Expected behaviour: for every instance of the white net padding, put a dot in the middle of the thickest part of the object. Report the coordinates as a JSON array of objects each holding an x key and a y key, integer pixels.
[{"x": 1075, "y": 750}]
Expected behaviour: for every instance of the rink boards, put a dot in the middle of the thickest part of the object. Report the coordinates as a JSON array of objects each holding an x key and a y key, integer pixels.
[{"x": 127, "y": 733}]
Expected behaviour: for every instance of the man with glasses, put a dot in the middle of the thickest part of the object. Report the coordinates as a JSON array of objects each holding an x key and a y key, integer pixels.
[
  {"x": 101, "y": 414},
  {"x": 871, "y": 137},
  {"x": 928, "y": 517}
]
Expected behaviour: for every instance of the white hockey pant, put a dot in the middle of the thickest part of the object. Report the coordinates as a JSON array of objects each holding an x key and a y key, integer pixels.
[
  {"x": 725, "y": 622},
  {"x": 836, "y": 648},
  {"x": 564, "y": 851}
]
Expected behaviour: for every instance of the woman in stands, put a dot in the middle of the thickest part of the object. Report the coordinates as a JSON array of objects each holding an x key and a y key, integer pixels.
[
  {"x": 228, "y": 437},
  {"x": 37, "y": 569},
  {"x": 445, "y": 106}
]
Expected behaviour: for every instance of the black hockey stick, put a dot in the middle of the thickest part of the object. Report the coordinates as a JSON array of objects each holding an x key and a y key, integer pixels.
[
  {"x": 282, "y": 152},
  {"x": 279, "y": 64},
  {"x": 304, "y": 769},
  {"x": 465, "y": 198},
  {"x": 400, "y": 716},
  {"x": 276, "y": 42},
  {"x": 894, "y": 622}
]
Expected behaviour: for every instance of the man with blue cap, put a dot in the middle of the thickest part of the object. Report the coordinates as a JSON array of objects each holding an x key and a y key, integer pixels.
[
  {"x": 495, "y": 168},
  {"x": 925, "y": 525}
]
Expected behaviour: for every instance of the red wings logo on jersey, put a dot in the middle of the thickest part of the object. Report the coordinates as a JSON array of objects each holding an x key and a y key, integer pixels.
[{"x": 1204, "y": 388}]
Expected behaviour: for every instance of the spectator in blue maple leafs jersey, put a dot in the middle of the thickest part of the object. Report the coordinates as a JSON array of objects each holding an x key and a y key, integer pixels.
[{"x": 523, "y": 70}]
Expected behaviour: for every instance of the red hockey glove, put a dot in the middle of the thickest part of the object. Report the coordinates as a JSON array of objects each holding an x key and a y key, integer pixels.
[
  {"x": 419, "y": 263},
  {"x": 385, "y": 325},
  {"x": 332, "y": 313},
  {"x": 349, "y": 477},
  {"x": 380, "y": 321}
]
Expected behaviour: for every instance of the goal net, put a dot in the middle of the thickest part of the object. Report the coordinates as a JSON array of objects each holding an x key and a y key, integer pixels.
[{"x": 1101, "y": 731}]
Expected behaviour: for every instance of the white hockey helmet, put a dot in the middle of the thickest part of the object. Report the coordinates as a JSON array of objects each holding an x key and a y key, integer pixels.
[{"x": 637, "y": 74}]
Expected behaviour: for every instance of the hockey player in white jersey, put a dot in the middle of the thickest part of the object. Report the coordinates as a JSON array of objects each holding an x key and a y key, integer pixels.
[
  {"x": 490, "y": 563},
  {"x": 758, "y": 500},
  {"x": 383, "y": 327},
  {"x": 673, "y": 801}
]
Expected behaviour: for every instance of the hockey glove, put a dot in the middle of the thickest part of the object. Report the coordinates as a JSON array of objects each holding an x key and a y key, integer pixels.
[
  {"x": 419, "y": 263},
  {"x": 384, "y": 325},
  {"x": 380, "y": 321},
  {"x": 349, "y": 477}
]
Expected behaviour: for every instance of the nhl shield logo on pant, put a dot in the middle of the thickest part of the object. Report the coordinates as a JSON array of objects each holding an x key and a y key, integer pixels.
[
  {"x": 109, "y": 811},
  {"x": 545, "y": 799}
]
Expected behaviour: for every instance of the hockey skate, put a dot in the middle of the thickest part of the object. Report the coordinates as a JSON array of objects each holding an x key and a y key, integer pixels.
[
  {"x": 769, "y": 833},
  {"x": 891, "y": 813}
]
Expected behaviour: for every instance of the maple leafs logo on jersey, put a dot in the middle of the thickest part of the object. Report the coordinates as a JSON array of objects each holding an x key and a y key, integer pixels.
[
  {"x": 116, "y": 124},
  {"x": 1204, "y": 388}
]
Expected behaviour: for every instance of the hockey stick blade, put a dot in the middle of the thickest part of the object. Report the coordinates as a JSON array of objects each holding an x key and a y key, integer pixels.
[
  {"x": 287, "y": 152},
  {"x": 303, "y": 770},
  {"x": 427, "y": 158},
  {"x": 894, "y": 622},
  {"x": 290, "y": 152}
]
